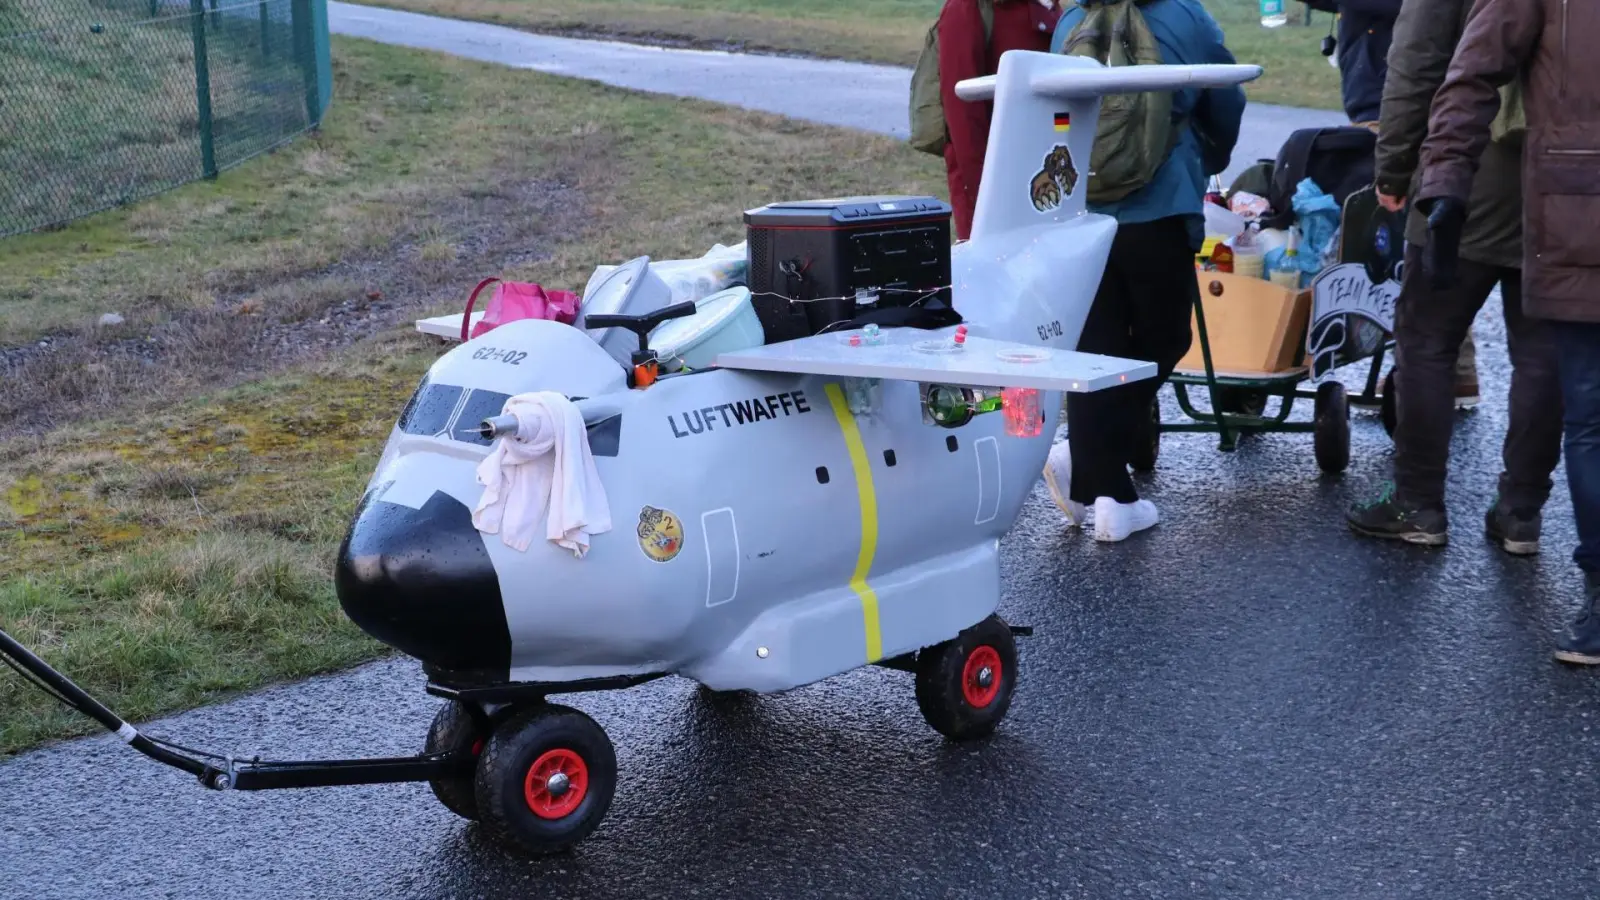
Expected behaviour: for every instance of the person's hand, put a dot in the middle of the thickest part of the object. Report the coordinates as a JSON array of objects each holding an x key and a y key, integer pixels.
[
  {"x": 1392, "y": 202},
  {"x": 1446, "y": 216}
]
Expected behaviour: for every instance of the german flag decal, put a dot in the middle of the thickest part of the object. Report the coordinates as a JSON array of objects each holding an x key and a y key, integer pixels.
[{"x": 1063, "y": 122}]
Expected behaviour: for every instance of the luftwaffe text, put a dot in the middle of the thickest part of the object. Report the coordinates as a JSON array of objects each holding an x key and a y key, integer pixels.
[{"x": 742, "y": 412}]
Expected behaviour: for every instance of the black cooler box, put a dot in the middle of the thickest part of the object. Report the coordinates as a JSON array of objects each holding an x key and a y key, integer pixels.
[{"x": 814, "y": 263}]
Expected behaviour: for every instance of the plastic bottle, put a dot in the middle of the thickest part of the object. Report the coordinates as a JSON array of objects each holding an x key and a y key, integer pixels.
[
  {"x": 1273, "y": 14},
  {"x": 1247, "y": 258},
  {"x": 1286, "y": 274},
  {"x": 863, "y": 395}
]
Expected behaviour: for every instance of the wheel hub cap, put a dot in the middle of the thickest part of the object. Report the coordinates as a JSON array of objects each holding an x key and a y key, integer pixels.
[
  {"x": 980, "y": 677},
  {"x": 556, "y": 784}
]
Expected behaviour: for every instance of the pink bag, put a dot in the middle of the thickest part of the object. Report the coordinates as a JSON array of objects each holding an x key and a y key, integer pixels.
[{"x": 514, "y": 300}]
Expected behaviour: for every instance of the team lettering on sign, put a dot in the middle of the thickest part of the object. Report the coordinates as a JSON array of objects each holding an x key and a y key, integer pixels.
[{"x": 742, "y": 412}]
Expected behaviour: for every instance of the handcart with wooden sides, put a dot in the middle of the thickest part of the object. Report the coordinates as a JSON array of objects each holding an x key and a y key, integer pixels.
[{"x": 1280, "y": 344}]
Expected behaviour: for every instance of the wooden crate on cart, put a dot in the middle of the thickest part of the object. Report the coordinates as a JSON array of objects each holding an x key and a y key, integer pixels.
[{"x": 1255, "y": 326}]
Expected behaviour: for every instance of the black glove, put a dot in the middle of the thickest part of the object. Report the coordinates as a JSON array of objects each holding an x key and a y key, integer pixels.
[{"x": 1446, "y": 216}]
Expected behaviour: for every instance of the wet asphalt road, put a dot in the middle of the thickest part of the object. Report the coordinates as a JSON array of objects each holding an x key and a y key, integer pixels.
[{"x": 1246, "y": 702}]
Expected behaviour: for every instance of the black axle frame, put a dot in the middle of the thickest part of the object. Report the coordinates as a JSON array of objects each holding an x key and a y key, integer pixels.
[{"x": 224, "y": 772}]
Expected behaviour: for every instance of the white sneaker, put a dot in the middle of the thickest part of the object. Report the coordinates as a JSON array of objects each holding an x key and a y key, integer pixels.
[
  {"x": 1058, "y": 477},
  {"x": 1114, "y": 521}
]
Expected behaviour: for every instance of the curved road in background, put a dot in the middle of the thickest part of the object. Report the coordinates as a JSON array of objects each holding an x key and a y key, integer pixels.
[
  {"x": 1246, "y": 702},
  {"x": 852, "y": 95}
]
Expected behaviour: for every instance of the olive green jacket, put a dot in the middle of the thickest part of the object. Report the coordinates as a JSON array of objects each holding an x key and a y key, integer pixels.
[{"x": 1425, "y": 38}]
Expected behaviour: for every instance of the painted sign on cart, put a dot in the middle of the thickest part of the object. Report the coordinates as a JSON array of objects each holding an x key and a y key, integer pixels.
[{"x": 1340, "y": 294}]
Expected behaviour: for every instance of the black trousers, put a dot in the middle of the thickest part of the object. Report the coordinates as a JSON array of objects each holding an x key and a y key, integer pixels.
[
  {"x": 1141, "y": 311},
  {"x": 1579, "y": 343},
  {"x": 1428, "y": 329}
]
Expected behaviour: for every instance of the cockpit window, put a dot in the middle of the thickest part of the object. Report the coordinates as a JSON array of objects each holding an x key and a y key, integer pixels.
[
  {"x": 452, "y": 412},
  {"x": 430, "y": 408},
  {"x": 446, "y": 410},
  {"x": 480, "y": 405}
]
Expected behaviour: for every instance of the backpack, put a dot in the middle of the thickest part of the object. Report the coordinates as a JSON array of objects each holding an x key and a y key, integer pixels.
[
  {"x": 1340, "y": 160},
  {"x": 1136, "y": 133},
  {"x": 929, "y": 132},
  {"x": 1511, "y": 123},
  {"x": 1256, "y": 179}
]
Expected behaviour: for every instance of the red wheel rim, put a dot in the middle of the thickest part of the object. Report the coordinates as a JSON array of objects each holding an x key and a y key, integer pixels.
[
  {"x": 980, "y": 677},
  {"x": 556, "y": 784}
]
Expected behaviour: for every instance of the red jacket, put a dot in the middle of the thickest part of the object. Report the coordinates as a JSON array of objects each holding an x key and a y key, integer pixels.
[{"x": 1018, "y": 25}]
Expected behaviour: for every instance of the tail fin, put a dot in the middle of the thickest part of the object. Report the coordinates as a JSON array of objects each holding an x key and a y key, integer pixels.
[{"x": 1046, "y": 108}]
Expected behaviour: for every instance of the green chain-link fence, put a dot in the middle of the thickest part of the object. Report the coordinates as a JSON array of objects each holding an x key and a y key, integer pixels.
[{"x": 107, "y": 101}]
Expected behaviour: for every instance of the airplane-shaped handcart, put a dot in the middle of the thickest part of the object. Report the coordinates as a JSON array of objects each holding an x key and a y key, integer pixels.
[{"x": 786, "y": 511}]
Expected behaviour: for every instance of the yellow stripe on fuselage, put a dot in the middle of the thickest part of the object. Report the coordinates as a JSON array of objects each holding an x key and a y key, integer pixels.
[{"x": 868, "y": 498}]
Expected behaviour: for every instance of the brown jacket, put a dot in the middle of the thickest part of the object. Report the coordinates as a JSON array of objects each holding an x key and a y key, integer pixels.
[
  {"x": 1425, "y": 38},
  {"x": 1551, "y": 43}
]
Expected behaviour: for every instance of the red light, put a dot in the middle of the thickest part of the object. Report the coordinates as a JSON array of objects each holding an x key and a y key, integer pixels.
[{"x": 1020, "y": 406}]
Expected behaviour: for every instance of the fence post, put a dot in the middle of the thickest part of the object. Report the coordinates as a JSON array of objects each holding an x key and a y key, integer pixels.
[
  {"x": 266, "y": 31},
  {"x": 305, "y": 45},
  {"x": 202, "y": 87},
  {"x": 322, "y": 56}
]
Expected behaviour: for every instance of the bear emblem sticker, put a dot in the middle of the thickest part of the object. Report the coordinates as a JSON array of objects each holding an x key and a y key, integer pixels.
[
  {"x": 660, "y": 534},
  {"x": 1056, "y": 178}
]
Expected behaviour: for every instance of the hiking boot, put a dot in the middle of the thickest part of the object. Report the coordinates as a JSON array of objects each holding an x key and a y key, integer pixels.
[
  {"x": 1467, "y": 395},
  {"x": 1516, "y": 532},
  {"x": 1387, "y": 516},
  {"x": 1581, "y": 643}
]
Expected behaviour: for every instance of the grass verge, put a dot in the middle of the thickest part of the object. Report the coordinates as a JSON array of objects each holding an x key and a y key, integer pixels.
[
  {"x": 429, "y": 173},
  {"x": 168, "y": 529},
  {"x": 883, "y": 31}
]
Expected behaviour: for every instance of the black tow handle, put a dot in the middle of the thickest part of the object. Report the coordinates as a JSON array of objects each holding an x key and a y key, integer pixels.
[
  {"x": 224, "y": 773},
  {"x": 80, "y": 700}
]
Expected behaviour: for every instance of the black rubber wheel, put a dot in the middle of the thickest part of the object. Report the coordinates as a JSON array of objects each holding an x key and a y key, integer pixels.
[
  {"x": 1331, "y": 439},
  {"x": 546, "y": 779},
  {"x": 1147, "y": 450},
  {"x": 964, "y": 685},
  {"x": 1241, "y": 401},
  {"x": 1387, "y": 410},
  {"x": 456, "y": 728}
]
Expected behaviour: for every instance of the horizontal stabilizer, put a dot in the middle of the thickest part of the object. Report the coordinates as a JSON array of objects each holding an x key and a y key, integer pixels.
[
  {"x": 1042, "y": 133},
  {"x": 1080, "y": 81},
  {"x": 913, "y": 354}
]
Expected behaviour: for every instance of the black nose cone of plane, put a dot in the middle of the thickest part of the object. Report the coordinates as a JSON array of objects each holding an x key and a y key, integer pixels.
[{"x": 421, "y": 581}]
